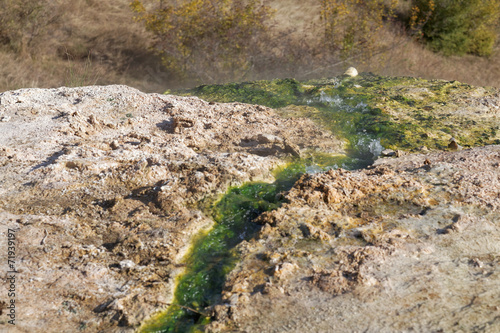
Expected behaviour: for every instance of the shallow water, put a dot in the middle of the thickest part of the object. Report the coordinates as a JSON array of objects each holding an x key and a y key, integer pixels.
[{"x": 213, "y": 254}]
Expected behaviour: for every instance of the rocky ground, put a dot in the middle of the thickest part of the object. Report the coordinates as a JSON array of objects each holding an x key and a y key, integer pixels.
[
  {"x": 408, "y": 244},
  {"x": 101, "y": 184}
]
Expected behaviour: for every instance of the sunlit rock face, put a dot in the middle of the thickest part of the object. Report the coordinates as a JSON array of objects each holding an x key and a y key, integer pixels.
[
  {"x": 407, "y": 244},
  {"x": 410, "y": 243},
  {"x": 103, "y": 183},
  {"x": 105, "y": 188}
]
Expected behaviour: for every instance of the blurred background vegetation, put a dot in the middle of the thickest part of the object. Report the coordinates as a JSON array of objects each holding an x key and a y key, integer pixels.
[{"x": 155, "y": 45}]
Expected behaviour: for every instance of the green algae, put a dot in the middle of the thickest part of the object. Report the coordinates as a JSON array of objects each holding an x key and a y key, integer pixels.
[
  {"x": 274, "y": 93},
  {"x": 213, "y": 253},
  {"x": 407, "y": 113},
  {"x": 370, "y": 112},
  {"x": 400, "y": 112}
]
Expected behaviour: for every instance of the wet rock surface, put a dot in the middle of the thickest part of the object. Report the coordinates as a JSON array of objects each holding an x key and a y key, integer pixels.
[
  {"x": 409, "y": 244},
  {"x": 403, "y": 113},
  {"x": 102, "y": 185}
]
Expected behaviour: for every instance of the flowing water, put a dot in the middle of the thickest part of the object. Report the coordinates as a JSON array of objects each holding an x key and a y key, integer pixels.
[{"x": 213, "y": 254}]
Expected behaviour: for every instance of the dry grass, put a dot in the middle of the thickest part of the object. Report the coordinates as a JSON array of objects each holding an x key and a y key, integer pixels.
[
  {"x": 298, "y": 16},
  {"x": 97, "y": 42},
  {"x": 405, "y": 57},
  {"x": 94, "y": 42},
  {"x": 412, "y": 59}
]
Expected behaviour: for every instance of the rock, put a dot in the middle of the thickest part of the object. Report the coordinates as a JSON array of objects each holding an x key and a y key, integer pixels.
[
  {"x": 182, "y": 122},
  {"x": 461, "y": 223},
  {"x": 126, "y": 264},
  {"x": 351, "y": 71},
  {"x": 393, "y": 231},
  {"x": 388, "y": 153},
  {"x": 399, "y": 153},
  {"x": 102, "y": 184},
  {"x": 93, "y": 120},
  {"x": 114, "y": 145},
  {"x": 291, "y": 148},
  {"x": 269, "y": 138},
  {"x": 453, "y": 145},
  {"x": 284, "y": 270}
]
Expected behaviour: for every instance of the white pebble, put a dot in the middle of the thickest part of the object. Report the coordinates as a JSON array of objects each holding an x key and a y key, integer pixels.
[{"x": 351, "y": 71}]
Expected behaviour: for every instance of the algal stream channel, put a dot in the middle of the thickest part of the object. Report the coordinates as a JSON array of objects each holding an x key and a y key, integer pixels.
[{"x": 212, "y": 254}]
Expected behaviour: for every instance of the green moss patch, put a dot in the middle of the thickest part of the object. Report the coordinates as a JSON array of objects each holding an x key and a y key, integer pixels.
[
  {"x": 275, "y": 93},
  {"x": 370, "y": 112},
  {"x": 213, "y": 254},
  {"x": 401, "y": 112}
]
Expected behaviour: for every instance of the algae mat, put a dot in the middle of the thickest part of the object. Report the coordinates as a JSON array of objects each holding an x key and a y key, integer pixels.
[
  {"x": 370, "y": 113},
  {"x": 403, "y": 112}
]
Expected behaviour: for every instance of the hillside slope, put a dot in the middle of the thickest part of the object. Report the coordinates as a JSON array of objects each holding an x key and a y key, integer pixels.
[{"x": 95, "y": 42}]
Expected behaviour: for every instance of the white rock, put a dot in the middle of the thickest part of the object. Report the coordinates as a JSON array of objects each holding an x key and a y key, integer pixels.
[
  {"x": 127, "y": 264},
  {"x": 269, "y": 138},
  {"x": 351, "y": 71}
]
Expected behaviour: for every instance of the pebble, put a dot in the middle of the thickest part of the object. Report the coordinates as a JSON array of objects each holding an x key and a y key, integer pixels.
[
  {"x": 269, "y": 138},
  {"x": 453, "y": 145},
  {"x": 351, "y": 71},
  {"x": 126, "y": 264},
  {"x": 114, "y": 145},
  {"x": 388, "y": 152}
]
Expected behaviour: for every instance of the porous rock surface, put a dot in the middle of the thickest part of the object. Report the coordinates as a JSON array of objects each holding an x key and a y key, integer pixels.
[
  {"x": 410, "y": 244},
  {"x": 101, "y": 184}
]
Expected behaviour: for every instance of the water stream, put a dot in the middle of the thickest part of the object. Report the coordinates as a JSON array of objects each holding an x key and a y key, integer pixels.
[{"x": 213, "y": 254}]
